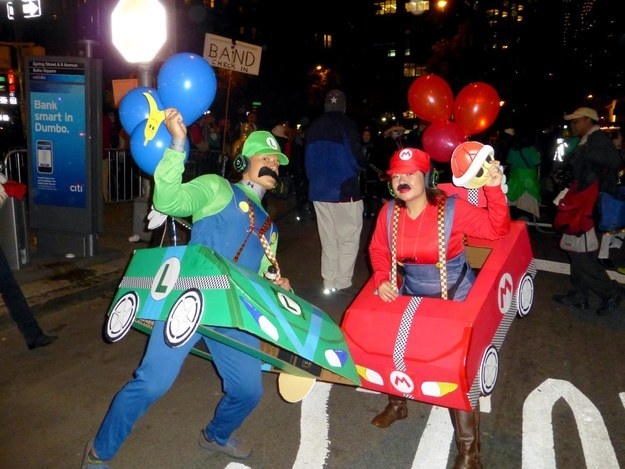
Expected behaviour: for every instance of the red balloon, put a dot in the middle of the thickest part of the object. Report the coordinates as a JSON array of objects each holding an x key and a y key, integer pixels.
[
  {"x": 440, "y": 139},
  {"x": 431, "y": 98},
  {"x": 476, "y": 108}
]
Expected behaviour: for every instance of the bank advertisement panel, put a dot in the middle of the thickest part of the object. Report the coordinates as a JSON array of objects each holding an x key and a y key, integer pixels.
[{"x": 63, "y": 120}]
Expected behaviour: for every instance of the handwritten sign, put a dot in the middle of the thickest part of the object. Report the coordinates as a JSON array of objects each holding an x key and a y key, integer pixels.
[{"x": 233, "y": 55}]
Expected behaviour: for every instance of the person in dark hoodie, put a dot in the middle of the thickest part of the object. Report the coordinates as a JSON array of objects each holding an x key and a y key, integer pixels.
[{"x": 334, "y": 159}]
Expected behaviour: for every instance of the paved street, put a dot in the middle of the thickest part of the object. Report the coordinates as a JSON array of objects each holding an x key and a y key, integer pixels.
[{"x": 559, "y": 400}]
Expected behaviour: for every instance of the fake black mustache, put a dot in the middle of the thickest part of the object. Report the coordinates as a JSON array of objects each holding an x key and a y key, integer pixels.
[
  {"x": 265, "y": 171},
  {"x": 403, "y": 186}
]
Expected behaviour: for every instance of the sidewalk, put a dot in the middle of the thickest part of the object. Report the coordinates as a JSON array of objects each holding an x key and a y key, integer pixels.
[{"x": 49, "y": 282}]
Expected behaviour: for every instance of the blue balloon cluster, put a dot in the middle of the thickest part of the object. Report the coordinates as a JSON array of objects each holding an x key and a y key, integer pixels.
[
  {"x": 147, "y": 156},
  {"x": 134, "y": 107},
  {"x": 186, "y": 82}
]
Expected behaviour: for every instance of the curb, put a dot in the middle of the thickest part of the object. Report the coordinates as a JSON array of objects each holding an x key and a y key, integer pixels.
[{"x": 49, "y": 285}]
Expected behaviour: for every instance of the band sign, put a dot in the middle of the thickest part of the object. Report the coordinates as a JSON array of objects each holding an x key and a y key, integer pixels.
[
  {"x": 233, "y": 55},
  {"x": 30, "y": 9}
]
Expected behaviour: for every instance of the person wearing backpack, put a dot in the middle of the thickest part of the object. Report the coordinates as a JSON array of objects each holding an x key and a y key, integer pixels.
[{"x": 595, "y": 160}]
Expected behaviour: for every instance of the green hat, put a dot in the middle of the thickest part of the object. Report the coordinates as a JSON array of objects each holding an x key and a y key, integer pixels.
[{"x": 262, "y": 142}]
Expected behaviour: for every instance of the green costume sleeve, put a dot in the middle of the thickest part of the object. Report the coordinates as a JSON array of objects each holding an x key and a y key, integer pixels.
[{"x": 198, "y": 198}]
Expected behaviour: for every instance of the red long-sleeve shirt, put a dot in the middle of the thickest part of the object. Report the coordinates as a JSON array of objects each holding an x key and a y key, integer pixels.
[{"x": 417, "y": 240}]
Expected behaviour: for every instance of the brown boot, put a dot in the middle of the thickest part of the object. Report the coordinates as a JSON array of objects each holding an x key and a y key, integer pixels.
[
  {"x": 396, "y": 409},
  {"x": 467, "y": 436}
]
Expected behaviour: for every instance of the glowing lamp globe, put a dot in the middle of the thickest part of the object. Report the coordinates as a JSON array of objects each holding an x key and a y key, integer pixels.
[{"x": 139, "y": 29}]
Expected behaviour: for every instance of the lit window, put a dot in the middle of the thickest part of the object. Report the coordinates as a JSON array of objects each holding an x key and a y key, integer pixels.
[
  {"x": 413, "y": 70},
  {"x": 387, "y": 7},
  {"x": 327, "y": 41},
  {"x": 417, "y": 7}
]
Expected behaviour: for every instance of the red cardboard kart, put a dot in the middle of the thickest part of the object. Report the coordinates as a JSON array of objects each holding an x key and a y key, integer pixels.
[{"x": 444, "y": 352}]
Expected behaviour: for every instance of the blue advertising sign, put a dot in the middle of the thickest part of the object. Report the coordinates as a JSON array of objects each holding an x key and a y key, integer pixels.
[
  {"x": 64, "y": 107},
  {"x": 58, "y": 132}
]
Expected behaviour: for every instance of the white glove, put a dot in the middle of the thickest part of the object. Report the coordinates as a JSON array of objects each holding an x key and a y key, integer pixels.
[
  {"x": 504, "y": 185},
  {"x": 155, "y": 219}
]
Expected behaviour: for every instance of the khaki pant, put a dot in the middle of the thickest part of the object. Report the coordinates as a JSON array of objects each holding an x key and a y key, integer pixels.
[{"x": 339, "y": 225}]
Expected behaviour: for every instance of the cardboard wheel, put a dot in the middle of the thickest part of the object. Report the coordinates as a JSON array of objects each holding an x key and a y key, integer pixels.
[{"x": 294, "y": 388}]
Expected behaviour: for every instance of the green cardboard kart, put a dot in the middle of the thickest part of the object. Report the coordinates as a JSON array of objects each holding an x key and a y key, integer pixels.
[{"x": 192, "y": 288}]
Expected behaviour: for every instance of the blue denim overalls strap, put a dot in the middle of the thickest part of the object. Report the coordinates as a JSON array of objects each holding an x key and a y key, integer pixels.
[{"x": 425, "y": 279}]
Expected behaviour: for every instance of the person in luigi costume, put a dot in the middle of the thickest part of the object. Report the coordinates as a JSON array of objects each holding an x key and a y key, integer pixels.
[{"x": 230, "y": 219}]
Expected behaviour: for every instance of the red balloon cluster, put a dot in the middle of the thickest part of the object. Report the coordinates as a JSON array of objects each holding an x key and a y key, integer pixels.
[{"x": 451, "y": 121}]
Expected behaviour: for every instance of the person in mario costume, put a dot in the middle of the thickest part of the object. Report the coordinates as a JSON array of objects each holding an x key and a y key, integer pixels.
[{"x": 404, "y": 252}]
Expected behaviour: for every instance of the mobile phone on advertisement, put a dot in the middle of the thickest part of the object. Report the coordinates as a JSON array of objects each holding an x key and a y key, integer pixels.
[{"x": 44, "y": 156}]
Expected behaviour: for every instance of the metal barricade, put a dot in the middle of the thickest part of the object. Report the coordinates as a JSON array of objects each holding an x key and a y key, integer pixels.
[
  {"x": 14, "y": 165},
  {"x": 204, "y": 162},
  {"x": 122, "y": 176},
  {"x": 125, "y": 181}
]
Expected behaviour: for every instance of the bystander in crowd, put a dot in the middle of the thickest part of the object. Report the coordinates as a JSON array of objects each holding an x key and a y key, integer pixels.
[
  {"x": 595, "y": 159},
  {"x": 334, "y": 161},
  {"x": 14, "y": 299}
]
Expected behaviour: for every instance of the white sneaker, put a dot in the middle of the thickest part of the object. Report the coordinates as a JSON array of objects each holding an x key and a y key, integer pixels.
[{"x": 135, "y": 238}]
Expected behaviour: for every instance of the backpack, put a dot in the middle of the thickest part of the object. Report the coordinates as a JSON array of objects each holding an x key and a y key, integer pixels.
[{"x": 574, "y": 214}]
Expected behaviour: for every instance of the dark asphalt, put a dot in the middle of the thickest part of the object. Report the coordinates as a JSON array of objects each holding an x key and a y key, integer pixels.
[{"x": 558, "y": 403}]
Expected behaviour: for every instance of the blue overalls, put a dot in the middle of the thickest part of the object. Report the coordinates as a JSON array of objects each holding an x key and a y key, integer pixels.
[
  {"x": 425, "y": 279},
  {"x": 241, "y": 373}
]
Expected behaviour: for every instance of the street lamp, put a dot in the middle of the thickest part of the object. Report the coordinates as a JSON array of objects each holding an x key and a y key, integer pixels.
[{"x": 139, "y": 30}]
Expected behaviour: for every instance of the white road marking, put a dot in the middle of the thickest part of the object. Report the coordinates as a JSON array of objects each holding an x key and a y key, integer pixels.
[
  {"x": 564, "y": 268},
  {"x": 314, "y": 443},
  {"x": 435, "y": 443},
  {"x": 538, "y": 445}
]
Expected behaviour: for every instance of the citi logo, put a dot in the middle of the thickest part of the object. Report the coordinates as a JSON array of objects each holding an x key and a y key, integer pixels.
[{"x": 76, "y": 188}]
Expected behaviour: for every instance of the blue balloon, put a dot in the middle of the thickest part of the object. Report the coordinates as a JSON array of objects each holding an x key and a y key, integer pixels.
[
  {"x": 147, "y": 154},
  {"x": 134, "y": 107},
  {"x": 187, "y": 82}
]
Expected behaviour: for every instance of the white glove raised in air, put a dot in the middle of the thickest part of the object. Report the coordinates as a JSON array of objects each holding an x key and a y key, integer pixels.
[
  {"x": 155, "y": 219},
  {"x": 504, "y": 184}
]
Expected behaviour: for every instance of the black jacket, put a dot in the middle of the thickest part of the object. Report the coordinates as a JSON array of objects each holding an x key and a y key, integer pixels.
[{"x": 597, "y": 158}]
